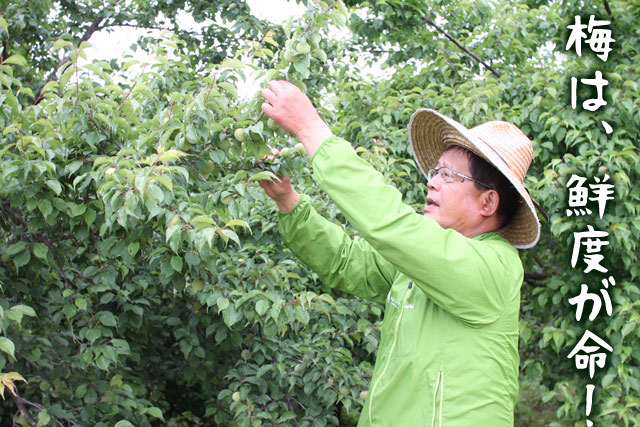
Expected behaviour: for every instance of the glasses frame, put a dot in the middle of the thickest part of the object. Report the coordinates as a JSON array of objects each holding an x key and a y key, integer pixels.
[{"x": 433, "y": 172}]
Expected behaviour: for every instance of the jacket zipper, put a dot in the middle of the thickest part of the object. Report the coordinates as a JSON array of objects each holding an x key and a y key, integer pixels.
[{"x": 393, "y": 345}]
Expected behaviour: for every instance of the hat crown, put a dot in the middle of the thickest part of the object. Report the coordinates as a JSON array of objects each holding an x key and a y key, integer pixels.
[{"x": 509, "y": 143}]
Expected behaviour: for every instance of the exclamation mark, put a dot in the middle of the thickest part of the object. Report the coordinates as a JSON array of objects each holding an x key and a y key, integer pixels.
[{"x": 590, "y": 388}]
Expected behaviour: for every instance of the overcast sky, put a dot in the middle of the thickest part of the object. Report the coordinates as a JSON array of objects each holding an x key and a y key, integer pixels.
[{"x": 106, "y": 45}]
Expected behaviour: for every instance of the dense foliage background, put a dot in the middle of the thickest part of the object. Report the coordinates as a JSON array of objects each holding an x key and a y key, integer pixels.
[{"x": 143, "y": 279}]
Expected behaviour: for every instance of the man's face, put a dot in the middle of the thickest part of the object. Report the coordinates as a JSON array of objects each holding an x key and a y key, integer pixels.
[{"x": 456, "y": 204}]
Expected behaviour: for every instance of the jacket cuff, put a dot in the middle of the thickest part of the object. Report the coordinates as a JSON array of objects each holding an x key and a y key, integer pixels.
[
  {"x": 288, "y": 221},
  {"x": 325, "y": 145}
]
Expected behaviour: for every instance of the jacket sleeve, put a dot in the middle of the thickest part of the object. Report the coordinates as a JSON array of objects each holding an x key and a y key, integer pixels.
[
  {"x": 471, "y": 278},
  {"x": 350, "y": 265}
]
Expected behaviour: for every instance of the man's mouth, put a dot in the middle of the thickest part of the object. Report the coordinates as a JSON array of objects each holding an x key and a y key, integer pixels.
[{"x": 430, "y": 204}]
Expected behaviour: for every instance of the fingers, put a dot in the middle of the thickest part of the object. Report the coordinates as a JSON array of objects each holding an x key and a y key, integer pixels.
[
  {"x": 269, "y": 95},
  {"x": 268, "y": 109},
  {"x": 274, "y": 152}
]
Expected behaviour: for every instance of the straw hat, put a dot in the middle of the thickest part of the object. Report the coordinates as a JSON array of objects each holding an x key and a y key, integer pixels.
[{"x": 500, "y": 143}]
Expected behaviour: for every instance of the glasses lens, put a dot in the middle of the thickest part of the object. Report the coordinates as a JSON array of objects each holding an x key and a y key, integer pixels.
[{"x": 446, "y": 174}]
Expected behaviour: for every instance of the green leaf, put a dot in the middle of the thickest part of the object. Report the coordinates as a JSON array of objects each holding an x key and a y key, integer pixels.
[
  {"x": 232, "y": 63},
  {"x": 43, "y": 418},
  {"x": 166, "y": 182},
  {"x": 24, "y": 310},
  {"x": 155, "y": 412},
  {"x": 59, "y": 44},
  {"x": 171, "y": 155},
  {"x": 222, "y": 303},
  {"x": 202, "y": 221},
  {"x": 55, "y": 186},
  {"x": 45, "y": 207},
  {"x": 50, "y": 87},
  {"x": 229, "y": 234},
  {"x": 16, "y": 247},
  {"x": 89, "y": 217},
  {"x": 93, "y": 334},
  {"x": 41, "y": 251},
  {"x": 16, "y": 60},
  {"x": 81, "y": 303},
  {"x": 261, "y": 307},
  {"x": 237, "y": 222},
  {"x": 22, "y": 258},
  {"x": 3, "y": 25},
  {"x": 107, "y": 318},
  {"x": 133, "y": 248},
  {"x": 7, "y": 346},
  {"x": 302, "y": 314},
  {"x": 78, "y": 210},
  {"x": 176, "y": 263},
  {"x": 230, "y": 316}
]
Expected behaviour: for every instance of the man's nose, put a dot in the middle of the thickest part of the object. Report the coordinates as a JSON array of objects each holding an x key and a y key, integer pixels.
[{"x": 433, "y": 182}]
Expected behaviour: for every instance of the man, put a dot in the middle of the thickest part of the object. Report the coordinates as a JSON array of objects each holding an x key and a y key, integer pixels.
[{"x": 451, "y": 277}]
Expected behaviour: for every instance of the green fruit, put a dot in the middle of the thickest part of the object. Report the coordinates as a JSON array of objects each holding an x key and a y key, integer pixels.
[
  {"x": 240, "y": 134},
  {"x": 209, "y": 166},
  {"x": 286, "y": 152},
  {"x": 300, "y": 148},
  {"x": 364, "y": 394},
  {"x": 303, "y": 48},
  {"x": 245, "y": 354},
  {"x": 289, "y": 56},
  {"x": 272, "y": 125},
  {"x": 235, "y": 396},
  {"x": 197, "y": 285}
]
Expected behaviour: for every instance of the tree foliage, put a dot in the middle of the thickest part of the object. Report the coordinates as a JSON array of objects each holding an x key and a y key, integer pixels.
[{"x": 143, "y": 277}]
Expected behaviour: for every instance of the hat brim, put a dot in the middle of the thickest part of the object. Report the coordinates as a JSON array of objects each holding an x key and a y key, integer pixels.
[{"x": 430, "y": 133}]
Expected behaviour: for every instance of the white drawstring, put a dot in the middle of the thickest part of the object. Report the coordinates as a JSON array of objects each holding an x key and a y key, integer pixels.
[
  {"x": 441, "y": 397},
  {"x": 435, "y": 393}
]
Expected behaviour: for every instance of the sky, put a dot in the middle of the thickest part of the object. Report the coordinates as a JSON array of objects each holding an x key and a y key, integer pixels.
[{"x": 106, "y": 45}]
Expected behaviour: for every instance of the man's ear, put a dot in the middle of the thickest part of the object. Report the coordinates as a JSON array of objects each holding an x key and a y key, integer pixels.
[{"x": 489, "y": 201}]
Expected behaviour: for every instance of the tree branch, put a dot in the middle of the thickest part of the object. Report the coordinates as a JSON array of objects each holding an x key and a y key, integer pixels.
[
  {"x": 23, "y": 410},
  {"x": 608, "y": 9},
  {"x": 40, "y": 237},
  {"x": 457, "y": 43},
  {"x": 535, "y": 276},
  {"x": 37, "y": 235},
  {"x": 93, "y": 27}
]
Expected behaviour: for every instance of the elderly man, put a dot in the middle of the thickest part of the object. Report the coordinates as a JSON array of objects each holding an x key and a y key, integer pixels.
[{"x": 450, "y": 277}]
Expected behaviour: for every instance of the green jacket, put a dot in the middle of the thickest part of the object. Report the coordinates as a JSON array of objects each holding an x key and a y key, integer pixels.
[{"x": 448, "y": 353}]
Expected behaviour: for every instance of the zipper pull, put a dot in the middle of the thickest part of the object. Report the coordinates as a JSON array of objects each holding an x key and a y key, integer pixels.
[{"x": 410, "y": 284}]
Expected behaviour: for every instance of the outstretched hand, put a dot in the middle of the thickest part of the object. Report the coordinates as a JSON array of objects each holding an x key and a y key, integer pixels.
[
  {"x": 293, "y": 111},
  {"x": 282, "y": 192}
]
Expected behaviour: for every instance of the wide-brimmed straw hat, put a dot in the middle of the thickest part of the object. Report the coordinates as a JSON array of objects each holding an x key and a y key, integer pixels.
[{"x": 501, "y": 144}]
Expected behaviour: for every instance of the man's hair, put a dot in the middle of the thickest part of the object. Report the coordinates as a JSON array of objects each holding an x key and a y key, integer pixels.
[{"x": 485, "y": 172}]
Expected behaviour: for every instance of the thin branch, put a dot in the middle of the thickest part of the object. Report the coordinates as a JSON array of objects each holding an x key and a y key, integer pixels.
[
  {"x": 535, "y": 276},
  {"x": 295, "y": 420},
  {"x": 457, "y": 43},
  {"x": 608, "y": 9},
  {"x": 93, "y": 27},
  {"x": 39, "y": 236},
  {"x": 23, "y": 410}
]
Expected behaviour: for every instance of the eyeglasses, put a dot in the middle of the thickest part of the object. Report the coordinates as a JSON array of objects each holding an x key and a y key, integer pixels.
[{"x": 446, "y": 173}]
